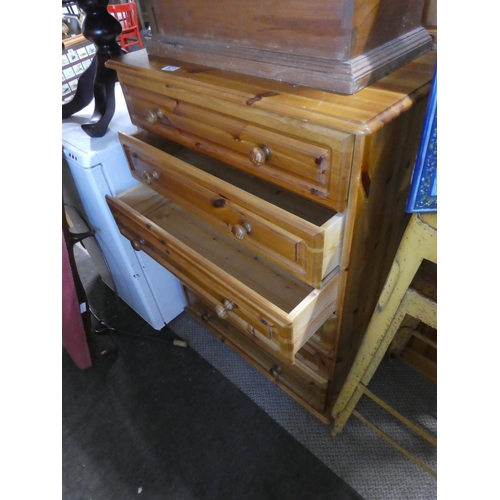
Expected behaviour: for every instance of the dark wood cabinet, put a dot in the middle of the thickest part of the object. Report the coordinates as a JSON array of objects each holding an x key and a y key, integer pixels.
[{"x": 336, "y": 45}]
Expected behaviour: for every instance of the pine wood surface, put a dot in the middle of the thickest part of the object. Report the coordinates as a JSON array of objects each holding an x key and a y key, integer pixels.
[
  {"x": 72, "y": 41},
  {"x": 372, "y": 139},
  {"x": 307, "y": 250},
  {"x": 316, "y": 171},
  {"x": 306, "y": 385},
  {"x": 375, "y": 223},
  {"x": 282, "y": 310},
  {"x": 295, "y": 115},
  {"x": 269, "y": 103}
]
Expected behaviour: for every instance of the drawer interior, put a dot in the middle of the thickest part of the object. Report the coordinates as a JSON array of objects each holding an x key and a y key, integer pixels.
[
  {"x": 240, "y": 263},
  {"x": 275, "y": 195}
]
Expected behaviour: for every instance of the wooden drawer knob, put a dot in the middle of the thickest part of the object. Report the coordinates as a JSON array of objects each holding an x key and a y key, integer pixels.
[
  {"x": 259, "y": 155},
  {"x": 149, "y": 177},
  {"x": 206, "y": 316},
  {"x": 222, "y": 309},
  {"x": 153, "y": 115},
  {"x": 240, "y": 230},
  {"x": 275, "y": 371},
  {"x": 137, "y": 244},
  {"x": 228, "y": 305}
]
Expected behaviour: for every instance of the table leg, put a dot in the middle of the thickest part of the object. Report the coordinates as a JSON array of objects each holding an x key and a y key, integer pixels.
[{"x": 97, "y": 82}]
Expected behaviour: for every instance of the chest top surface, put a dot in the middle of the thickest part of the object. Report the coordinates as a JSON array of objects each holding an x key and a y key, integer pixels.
[{"x": 362, "y": 113}]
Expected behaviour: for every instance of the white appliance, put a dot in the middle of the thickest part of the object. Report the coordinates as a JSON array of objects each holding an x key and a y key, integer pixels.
[{"x": 97, "y": 167}]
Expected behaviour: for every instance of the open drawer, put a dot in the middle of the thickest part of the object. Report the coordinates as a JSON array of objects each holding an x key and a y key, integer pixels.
[
  {"x": 273, "y": 307},
  {"x": 300, "y": 236},
  {"x": 306, "y": 385}
]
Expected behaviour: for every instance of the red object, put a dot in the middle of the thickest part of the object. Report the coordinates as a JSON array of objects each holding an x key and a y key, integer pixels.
[
  {"x": 74, "y": 335},
  {"x": 126, "y": 14}
]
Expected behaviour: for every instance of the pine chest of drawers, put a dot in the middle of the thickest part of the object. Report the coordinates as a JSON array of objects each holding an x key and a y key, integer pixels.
[{"x": 279, "y": 207}]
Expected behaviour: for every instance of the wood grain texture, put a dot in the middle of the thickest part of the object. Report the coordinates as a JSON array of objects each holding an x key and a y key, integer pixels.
[
  {"x": 72, "y": 41},
  {"x": 311, "y": 169},
  {"x": 375, "y": 223},
  {"x": 306, "y": 385},
  {"x": 299, "y": 236},
  {"x": 278, "y": 105},
  {"x": 282, "y": 311},
  {"x": 332, "y": 29},
  {"x": 337, "y": 45},
  {"x": 376, "y": 22},
  {"x": 371, "y": 137},
  {"x": 300, "y": 115},
  {"x": 316, "y": 27}
]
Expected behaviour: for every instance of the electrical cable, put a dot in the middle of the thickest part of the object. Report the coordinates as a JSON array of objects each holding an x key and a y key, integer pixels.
[{"x": 102, "y": 327}]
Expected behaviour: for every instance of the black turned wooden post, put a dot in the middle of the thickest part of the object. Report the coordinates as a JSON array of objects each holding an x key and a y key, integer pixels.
[{"x": 97, "y": 81}]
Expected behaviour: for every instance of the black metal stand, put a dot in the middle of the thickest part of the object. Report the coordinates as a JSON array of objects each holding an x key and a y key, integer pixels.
[{"x": 97, "y": 82}]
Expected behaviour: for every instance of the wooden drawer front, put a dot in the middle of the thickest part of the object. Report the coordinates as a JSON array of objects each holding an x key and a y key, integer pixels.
[
  {"x": 315, "y": 358},
  {"x": 299, "y": 236},
  {"x": 281, "y": 312},
  {"x": 317, "y": 172},
  {"x": 298, "y": 380}
]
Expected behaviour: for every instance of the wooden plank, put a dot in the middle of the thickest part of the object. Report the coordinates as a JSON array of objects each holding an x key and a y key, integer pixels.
[
  {"x": 394, "y": 443},
  {"x": 73, "y": 40},
  {"x": 362, "y": 113},
  {"x": 229, "y": 256},
  {"x": 420, "y": 363}
]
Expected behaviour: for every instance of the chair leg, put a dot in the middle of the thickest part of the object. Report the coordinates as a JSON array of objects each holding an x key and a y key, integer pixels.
[
  {"x": 369, "y": 357},
  {"x": 385, "y": 320},
  {"x": 372, "y": 351},
  {"x": 343, "y": 416},
  {"x": 395, "y": 287}
]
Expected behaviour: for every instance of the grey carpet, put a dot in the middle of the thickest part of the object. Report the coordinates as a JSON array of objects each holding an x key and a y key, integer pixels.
[
  {"x": 366, "y": 461},
  {"x": 359, "y": 456},
  {"x": 157, "y": 421}
]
